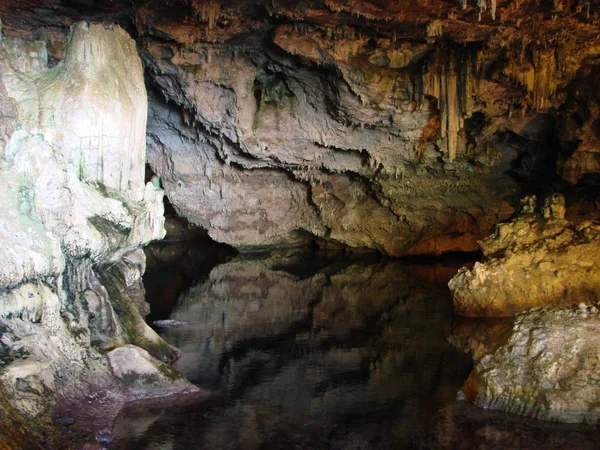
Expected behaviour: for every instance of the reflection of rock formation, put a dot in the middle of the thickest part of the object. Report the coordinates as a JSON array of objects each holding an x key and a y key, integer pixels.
[
  {"x": 462, "y": 426},
  {"x": 480, "y": 337},
  {"x": 239, "y": 302},
  {"x": 171, "y": 268},
  {"x": 535, "y": 260},
  {"x": 314, "y": 351}
]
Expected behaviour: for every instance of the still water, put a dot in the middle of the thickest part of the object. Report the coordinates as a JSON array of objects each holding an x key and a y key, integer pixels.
[{"x": 317, "y": 351}]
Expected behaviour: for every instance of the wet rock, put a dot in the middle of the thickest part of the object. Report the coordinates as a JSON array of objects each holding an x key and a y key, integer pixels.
[
  {"x": 547, "y": 370},
  {"x": 143, "y": 374},
  {"x": 532, "y": 261},
  {"x": 169, "y": 323}
]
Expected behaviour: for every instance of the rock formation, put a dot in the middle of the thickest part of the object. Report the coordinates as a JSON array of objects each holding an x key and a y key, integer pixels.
[
  {"x": 268, "y": 149},
  {"x": 538, "y": 259},
  {"x": 543, "y": 366},
  {"x": 75, "y": 212},
  {"x": 365, "y": 124},
  {"x": 405, "y": 128},
  {"x": 547, "y": 370}
]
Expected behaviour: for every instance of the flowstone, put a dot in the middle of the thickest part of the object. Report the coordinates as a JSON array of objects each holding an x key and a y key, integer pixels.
[{"x": 75, "y": 212}]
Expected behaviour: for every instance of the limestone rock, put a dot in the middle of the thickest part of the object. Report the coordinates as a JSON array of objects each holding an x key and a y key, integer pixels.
[
  {"x": 29, "y": 383},
  {"x": 547, "y": 370},
  {"x": 252, "y": 203},
  {"x": 532, "y": 261},
  {"x": 74, "y": 205},
  {"x": 91, "y": 106},
  {"x": 56, "y": 189},
  {"x": 143, "y": 374},
  {"x": 125, "y": 293},
  {"x": 27, "y": 250},
  {"x": 25, "y": 303}
]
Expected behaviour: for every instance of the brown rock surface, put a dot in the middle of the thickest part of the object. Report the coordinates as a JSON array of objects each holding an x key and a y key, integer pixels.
[
  {"x": 300, "y": 112},
  {"x": 532, "y": 261},
  {"x": 74, "y": 203}
]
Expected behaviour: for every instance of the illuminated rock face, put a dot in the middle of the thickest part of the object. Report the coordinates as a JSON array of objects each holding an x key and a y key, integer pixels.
[
  {"x": 535, "y": 260},
  {"x": 264, "y": 150},
  {"x": 91, "y": 197},
  {"x": 74, "y": 201},
  {"x": 99, "y": 106}
]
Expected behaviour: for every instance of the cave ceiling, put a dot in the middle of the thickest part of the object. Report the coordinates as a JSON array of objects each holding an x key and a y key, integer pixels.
[
  {"x": 542, "y": 23},
  {"x": 515, "y": 32}
]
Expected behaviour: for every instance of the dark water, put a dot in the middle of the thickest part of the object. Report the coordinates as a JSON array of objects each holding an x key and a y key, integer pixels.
[{"x": 318, "y": 352}]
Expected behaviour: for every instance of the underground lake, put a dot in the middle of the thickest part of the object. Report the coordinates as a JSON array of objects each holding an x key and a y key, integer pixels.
[{"x": 321, "y": 350}]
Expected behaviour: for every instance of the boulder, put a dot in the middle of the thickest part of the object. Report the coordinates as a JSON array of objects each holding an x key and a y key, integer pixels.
[
  {"x": 549, "y": 369},
  {"x": 144, "y": 375}
]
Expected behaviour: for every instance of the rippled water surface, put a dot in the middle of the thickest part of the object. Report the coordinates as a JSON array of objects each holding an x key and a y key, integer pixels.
[{"x": 312, "y": 351}]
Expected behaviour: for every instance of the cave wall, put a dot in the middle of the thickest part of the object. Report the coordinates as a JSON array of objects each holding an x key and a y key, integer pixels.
[
  {"x": 318, "y": 141},
  {"x": 317, "y": 124},
  {"x": 366, "y": 124},
  {"x": 75, "y": 213}
]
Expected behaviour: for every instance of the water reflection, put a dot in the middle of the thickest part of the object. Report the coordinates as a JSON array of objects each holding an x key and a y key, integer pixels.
[
  {"x": 322, "y": 352},
  {"x": 310, "y": 351}
]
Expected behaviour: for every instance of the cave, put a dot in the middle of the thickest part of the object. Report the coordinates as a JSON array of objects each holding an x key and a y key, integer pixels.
[{"x": 299, "y": 224}]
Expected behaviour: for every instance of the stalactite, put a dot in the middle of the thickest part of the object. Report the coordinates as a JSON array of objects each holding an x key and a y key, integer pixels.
[
  {"x": 463, "y": 4},
  {"x": 523, "y": 74},
  {"x": 482, "y": 5},
  {"x": 207, "y": 10},
  {"x": 493, "y": 9},
  {"x": 537, "y": 78},
  {"x": 434, "y": 28},
  {"x": 587, "y": 4},
  {"x": 544, "y": 78},
  {"x": 449, "y": 78},
  {"x": 561, "y": 58}
]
